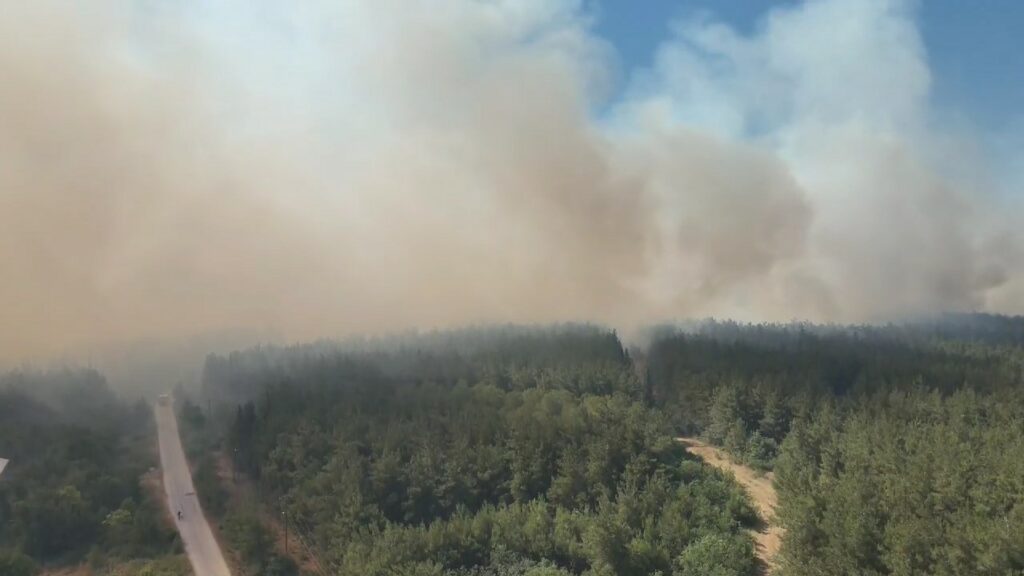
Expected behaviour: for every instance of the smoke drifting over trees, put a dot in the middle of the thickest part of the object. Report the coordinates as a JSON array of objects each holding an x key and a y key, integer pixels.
[{"x": 174, "y": 168}]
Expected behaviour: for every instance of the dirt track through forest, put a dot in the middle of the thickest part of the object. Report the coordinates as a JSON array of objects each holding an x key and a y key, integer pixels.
[{"x": 762, "y": 493}]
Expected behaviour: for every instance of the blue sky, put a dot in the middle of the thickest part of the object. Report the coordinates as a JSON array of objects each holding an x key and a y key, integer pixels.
[{"x": 973, "y": 47}]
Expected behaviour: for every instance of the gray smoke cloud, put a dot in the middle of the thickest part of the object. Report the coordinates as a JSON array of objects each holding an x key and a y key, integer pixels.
[{"x": 168, "y": 169}]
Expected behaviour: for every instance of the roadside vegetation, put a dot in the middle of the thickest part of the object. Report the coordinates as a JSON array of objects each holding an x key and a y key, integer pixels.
[
  {"x": 72, "y": 493},
  {"x": 240, "y": 517}
]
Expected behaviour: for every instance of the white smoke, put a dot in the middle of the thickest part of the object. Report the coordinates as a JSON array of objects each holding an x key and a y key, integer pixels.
[{"x": 323, "y": 168}]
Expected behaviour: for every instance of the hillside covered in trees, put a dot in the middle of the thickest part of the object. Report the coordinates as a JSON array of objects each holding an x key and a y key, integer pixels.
[
  {"x": 71, "y": 493},
  {"x": 896, "y": 449}
]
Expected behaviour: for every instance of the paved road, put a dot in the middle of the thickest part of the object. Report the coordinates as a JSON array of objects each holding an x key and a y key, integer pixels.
[{"x": 203, "y": 551}]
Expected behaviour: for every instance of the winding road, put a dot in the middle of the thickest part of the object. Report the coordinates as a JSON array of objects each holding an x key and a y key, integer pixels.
[{"x": 203, "y": 551}]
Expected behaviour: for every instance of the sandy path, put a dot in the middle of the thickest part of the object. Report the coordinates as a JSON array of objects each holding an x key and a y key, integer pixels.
[{"x": 759, "y": 487}]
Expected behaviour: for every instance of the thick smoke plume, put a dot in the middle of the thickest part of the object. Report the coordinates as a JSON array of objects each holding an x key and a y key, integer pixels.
[{"x": 177, "y": 168}]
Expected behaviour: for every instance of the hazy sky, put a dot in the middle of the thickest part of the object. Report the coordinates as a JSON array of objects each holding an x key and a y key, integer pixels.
[{"x": 322, "y": 168}]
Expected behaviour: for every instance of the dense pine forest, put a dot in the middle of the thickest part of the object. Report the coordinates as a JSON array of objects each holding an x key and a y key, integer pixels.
[
  {"x": 895, "y": 449},
  {"x": 542, "y": 451},
  {"x": 71, "y": 494},
  {"x": 512, "y": 451}
]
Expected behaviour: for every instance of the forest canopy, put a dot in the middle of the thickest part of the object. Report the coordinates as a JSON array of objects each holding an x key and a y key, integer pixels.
[
  {"x": 71, "y": 492},
  {"x": 896, "y": 449},
  {"x": 512, "y": 451}
]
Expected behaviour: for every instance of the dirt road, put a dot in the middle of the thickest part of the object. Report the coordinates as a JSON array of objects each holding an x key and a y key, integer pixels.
[
  {"x": 202, "y": 549},
  {"x": 758, "y": 486}
]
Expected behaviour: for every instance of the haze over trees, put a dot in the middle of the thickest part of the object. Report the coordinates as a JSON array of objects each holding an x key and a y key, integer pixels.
[
  {"x": 506, "y": 451},
  {"x": 896, "y": 449},
  {"x": 71, "y": 493}
]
